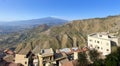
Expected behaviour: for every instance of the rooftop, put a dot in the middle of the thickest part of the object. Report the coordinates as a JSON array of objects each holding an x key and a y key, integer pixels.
[
  {"x": 47, "y": 52},
  {"x": 103, "y": 35},
  {"x": 66, "y": 50}
]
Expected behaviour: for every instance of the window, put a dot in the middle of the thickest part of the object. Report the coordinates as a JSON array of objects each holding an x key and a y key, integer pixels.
[
  {"x": 97, "y": 41},
  {"x": 107, "y": 49},
  {"x": 100, "y": 35},
  {"x": 98, "y": 47},
  {"x": 25, "y": 62},
  {"x": 90, "y": 40},
  {"x": 91, "y": 45}
]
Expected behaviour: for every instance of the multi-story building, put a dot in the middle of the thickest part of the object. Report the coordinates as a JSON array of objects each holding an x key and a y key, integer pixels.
[
  {"x": 102, "y": 42},
  {"x": 45, "y": 57}
]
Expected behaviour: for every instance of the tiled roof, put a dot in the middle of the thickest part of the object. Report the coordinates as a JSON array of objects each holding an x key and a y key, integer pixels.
[{"x": 66, "y": 62}]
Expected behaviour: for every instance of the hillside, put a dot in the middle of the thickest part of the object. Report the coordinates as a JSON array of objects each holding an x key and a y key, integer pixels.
[
  {"x": 69, "y": 35},
  {"x": 11, "y": 40}
]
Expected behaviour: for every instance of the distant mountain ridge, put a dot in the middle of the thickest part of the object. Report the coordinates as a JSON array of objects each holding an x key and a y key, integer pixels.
[
  {"x": 46, "y": 20},
  {"x": 14, "y": 26}
]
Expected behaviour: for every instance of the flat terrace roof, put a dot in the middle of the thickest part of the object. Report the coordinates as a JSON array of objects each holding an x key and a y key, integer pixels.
[{"x": 96, "y": 35}]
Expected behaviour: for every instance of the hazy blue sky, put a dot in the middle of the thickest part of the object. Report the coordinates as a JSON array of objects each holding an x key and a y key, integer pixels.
[{"x": 66, "y": 9}]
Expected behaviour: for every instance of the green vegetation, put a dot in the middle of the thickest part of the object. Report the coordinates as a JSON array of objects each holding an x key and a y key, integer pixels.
[
  {"x": 94, "y": 55},
  {"x": 82, "y": 59},
  {"x": 112, "y": 59}
]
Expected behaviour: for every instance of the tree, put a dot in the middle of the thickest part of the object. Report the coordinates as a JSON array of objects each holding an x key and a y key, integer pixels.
[
  {"x": 113, "y": 59},
  {"x": 82, "y": 59},
  {"x": 94, "y": 55},
  {"x": 118, "y": 53},
  {"x": 99, "y": 62}
]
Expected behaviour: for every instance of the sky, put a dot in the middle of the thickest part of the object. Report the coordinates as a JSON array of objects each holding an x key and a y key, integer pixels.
[{"x": 11, "y": 10}]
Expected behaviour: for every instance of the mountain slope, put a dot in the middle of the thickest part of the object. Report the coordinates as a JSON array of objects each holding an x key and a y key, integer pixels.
[
  {"x": 71, "y": 34},
  {"x": 11, "y": 40}
]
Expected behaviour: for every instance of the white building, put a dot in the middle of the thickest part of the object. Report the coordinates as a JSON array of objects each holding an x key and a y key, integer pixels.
[{"x": 102, "y": 42}]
